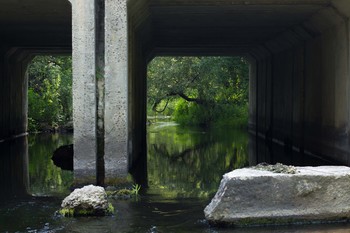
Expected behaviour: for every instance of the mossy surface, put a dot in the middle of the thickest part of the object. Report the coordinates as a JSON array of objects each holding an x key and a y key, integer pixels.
[
  {"x": 69, "y": 212},
  {"x": 66, "y": 212},
  {"x": 277, "y": 168},
  {"x": 125, "y": 193},
  {"x": 118, "y": 181},
  {"x": 110, "y": 209}
]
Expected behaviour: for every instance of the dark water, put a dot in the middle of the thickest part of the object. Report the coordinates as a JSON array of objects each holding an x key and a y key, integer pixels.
[{"x": 185, "y": 167}]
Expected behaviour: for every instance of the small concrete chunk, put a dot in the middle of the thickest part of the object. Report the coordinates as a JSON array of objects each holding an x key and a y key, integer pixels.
[
  {"x": 254, "y": 197},
  {"x": 89, "y": 200}
]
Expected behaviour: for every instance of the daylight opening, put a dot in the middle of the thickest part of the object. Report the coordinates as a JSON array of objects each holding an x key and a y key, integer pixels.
[
  {"x": 50, "y": 94},
  {"x": 197, "y": 116},
  {"x": 198, "y": 91}
]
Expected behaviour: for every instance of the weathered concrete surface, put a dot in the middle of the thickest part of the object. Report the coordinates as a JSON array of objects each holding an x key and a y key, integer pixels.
[
  {"x": 84, "y": 91},
  {"x": 249, "y": 196},
  {"x": 116, "y": 90},
  {"x": 89, "y": 200}
]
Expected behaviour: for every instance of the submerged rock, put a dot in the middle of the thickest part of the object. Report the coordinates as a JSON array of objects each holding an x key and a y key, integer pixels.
[
  {"x": 89, "y": 200},
  {"x": 258, "y": 197}
]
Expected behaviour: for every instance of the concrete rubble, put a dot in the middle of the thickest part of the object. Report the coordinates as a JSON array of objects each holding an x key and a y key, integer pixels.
[
  {"x": 89, "y": 200},
  {"x": 256, "y": 197}
]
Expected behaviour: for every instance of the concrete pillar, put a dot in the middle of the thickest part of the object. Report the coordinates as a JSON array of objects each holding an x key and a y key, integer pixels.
[
  {"x": 84, "y": 91},
  {"x": 116, "y": 90}
]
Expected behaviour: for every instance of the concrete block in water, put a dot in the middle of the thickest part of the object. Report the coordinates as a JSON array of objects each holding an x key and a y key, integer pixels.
[{"x": 255, "y": 197}]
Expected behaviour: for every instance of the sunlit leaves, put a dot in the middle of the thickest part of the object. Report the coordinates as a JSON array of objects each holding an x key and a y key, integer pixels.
[
  {"x": 49, "y": 91},
  {"x": 214, "y": 83}
]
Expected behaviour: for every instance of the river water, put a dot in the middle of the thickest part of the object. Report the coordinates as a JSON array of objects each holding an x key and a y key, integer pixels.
[{"x": 185, "y": 166}]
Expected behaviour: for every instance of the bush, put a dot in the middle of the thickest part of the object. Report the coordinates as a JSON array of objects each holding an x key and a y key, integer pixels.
[
  {"x": 189, "y": 113},
  {"x": 49, "y": 92}
]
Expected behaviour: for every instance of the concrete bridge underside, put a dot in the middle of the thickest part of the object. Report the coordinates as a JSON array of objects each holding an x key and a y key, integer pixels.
[{"x": 299, "y": 69}]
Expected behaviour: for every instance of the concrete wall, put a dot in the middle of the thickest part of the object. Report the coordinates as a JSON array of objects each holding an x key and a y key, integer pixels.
[
  {"x": 300, "y": 88},
  {"x": 26, "y": 29},
  {"x": 13, "y": 92},
  {"x": 139, "y": 25}
]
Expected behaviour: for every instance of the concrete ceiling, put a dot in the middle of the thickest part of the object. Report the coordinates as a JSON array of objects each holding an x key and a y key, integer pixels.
[
  {"x": 35, "y": 22},
  {"x": 224, "y": 26},
  {"x": 178, "y": 26}
]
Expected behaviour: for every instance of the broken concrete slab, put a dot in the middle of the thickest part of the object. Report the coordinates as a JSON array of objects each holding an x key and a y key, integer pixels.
[{"x": 255, "y": 197}]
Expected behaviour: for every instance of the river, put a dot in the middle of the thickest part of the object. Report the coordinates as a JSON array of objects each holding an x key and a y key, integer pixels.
[{"x": 185, "y": 166}]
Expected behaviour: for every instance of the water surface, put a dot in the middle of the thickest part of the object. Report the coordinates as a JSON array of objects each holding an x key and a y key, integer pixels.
[{"x": 185, "y": 166}]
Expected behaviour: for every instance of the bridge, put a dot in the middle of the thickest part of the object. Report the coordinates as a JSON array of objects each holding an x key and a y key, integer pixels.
[{"x": 298, "y": 51}]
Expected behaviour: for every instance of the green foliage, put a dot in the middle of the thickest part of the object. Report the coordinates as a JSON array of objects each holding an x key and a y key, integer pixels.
[
  {"x": 66, "y": 212},
  {"x": 200, "y": 90},
  {"x": 110, "y": 209},
  {"x": 49, "y": 92},
  {"x": 125, "y": 193},
  {"x": 122, "y": 192},
  {"x": 135, "y": 189}
]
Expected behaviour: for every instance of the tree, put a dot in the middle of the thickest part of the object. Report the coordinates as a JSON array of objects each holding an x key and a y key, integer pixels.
[
  {"x": 49, "y": 91},
  {"x": 208, "y": 86}
]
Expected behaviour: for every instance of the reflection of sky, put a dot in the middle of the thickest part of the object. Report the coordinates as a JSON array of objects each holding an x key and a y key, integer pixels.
[{"x": 162, "y": 125}]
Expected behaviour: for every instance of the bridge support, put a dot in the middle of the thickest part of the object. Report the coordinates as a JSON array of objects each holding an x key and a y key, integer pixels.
[
  {"x": 100, "y": 90},
  {"x": 299, "y": 76}
]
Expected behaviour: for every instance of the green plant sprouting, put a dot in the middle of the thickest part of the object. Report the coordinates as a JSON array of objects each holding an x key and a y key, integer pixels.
[{"x": 135, "y": 189}]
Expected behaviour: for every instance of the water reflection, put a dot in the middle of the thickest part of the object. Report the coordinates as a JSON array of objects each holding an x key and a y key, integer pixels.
[
  {"x": 46, "y": 179},
  {"x": 261, "y": 151},
  {"x": 190, "y": 162},
  {"x": 14, "y": 176},
  {"x": 185, "y": 166},
  {"x": 26, "y": 167}
]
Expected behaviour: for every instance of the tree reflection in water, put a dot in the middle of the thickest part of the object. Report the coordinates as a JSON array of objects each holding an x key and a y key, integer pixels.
[
  {"x": 190, "y": 162},
  {"x": 46, "y": 178}
]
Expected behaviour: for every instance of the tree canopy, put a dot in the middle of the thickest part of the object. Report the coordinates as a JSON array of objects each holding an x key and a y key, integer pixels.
[
  {"x": 204, "y": 89},
  {"x": 49, "y": 92},
  {"x": 193, "y": 90}
]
